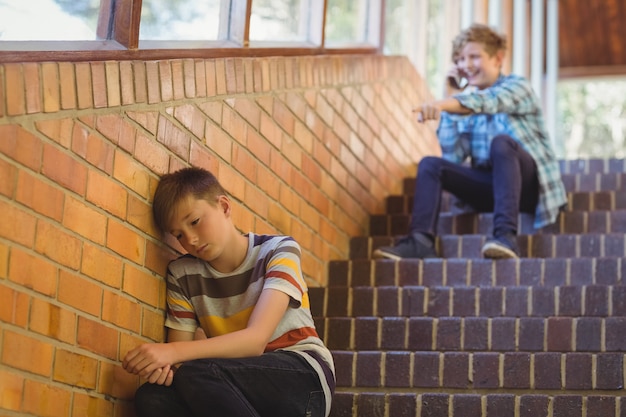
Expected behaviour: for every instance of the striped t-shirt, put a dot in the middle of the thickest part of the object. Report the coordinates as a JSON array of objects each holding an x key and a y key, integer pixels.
[{"x": 198, "y": 295}]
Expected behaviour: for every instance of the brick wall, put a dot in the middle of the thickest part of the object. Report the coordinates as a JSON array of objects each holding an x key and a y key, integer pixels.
[{"x": 306, "y": 146}]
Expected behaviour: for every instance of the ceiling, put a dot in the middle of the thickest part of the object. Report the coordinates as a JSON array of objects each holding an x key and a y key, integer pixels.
[{"x": 592, "y": 36}]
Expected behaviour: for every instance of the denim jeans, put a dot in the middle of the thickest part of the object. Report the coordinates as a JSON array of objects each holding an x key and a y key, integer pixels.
[
  {"x": 275, "y": 384},
  {"x": 509, "y": 186}
]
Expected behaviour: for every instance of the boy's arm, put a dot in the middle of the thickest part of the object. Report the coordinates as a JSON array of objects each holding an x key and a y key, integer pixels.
[
  {"x": 251, "y": 341},
  {"x": 432, "y": 110}
]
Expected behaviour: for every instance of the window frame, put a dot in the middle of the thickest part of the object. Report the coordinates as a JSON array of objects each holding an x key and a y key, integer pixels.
[{"x": 118, "y": 25}]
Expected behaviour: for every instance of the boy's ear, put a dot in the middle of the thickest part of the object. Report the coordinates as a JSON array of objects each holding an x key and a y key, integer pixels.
[
  {"x": 224, "y": 203},
  {"x": 500, "y": 57}
]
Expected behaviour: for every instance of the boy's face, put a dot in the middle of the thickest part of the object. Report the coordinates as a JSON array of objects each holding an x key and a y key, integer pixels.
[
  {"x": 475, "y": 64},
  {"x": 201, "y": 227}
]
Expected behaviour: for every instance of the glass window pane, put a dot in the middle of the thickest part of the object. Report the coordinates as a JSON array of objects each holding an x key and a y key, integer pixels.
[
  {"x": 347, "y": 22},
  {"x": 50, "y": 20},
  {"x": 280, "y": 20},
  {"x": 180, "y": 20}
]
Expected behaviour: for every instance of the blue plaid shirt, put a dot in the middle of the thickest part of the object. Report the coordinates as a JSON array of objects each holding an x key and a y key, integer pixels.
[{"x": 509, "y": 107}]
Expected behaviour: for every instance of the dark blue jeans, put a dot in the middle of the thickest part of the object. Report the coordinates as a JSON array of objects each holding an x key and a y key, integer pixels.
[
  {"x": 507, "y": 187},
  {"x": 275, "y": 384}
]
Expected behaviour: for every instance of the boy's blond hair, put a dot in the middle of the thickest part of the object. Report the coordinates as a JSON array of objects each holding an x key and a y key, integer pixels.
[
  {"x": 177, "y": 186},
  {"x": 492, "y": 40}
]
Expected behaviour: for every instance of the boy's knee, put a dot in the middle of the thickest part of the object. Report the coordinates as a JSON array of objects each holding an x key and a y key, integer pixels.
[
  {"x": 191, "y": 373},
  {"x": 502, "y": 145},
  {"x": 431, "y": 164}
]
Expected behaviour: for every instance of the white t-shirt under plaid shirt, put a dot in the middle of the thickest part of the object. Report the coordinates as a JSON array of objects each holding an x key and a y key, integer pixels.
[{"x": 508, "y": 107}]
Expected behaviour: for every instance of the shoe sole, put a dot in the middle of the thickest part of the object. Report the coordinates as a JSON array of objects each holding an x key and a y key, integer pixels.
[
  {"x": 495, "y": 251},
  {"x": 381, "y": 254}
]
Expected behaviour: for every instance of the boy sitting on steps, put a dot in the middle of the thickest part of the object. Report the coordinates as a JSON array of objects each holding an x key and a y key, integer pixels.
[{"x": 496, "y": 121}]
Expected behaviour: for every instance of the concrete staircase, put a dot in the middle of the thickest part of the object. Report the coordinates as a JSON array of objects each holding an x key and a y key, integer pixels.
[{"x": 462, "y": 336}]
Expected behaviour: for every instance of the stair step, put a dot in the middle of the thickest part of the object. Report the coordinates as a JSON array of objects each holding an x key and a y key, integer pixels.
[
  {"x": 499, "y": 334},
  {"x": 576, "y": 201},
  {"x": 476, "y": 272},
  {"x": 422, "y": 403},
  {"x": 594, "y": 165},
  {"x": 573, "y": 182},
  {"x": 575, "y": 371},
  {"x": 524, "y": 301},
  {"x": 598, "y": 221},
  {"x": 530, "y": 246}
]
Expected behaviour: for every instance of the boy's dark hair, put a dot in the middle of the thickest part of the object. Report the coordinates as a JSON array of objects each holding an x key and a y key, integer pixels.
[
  {"x": 478, "y": 32},
  {"x": 176, "y": 186}
]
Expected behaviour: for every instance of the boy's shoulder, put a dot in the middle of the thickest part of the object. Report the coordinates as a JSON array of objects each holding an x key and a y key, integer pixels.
[{"x": 185, "y": 264}]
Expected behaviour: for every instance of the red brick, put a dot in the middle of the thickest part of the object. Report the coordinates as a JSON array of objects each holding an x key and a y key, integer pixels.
[
  {"x": 64, "y": 170},
  {"x": 46, "y": 400},
  {"x": 211, "y": 78},
  {"x": 143, "y": 285},
  {"x": 234, "y": 125},
  {"x": 200, "y": 156},
  {"x": 109, "y": 125},
  {"x": 21, "y": 145},
  {"x": 121, "y": 311},
  {"x": 84, "y": 86},
  {"x": 126, "y": 82},
  {"x": 201, "y": 78},
  {"x": 189, "y": 78},
  {"x": 11, "y": 389},
  {"x": 220, "y": 76},
  {"x": 14, "y": 307},
  {"x": 244, "y": 162},
  {"x": 126, "y": 242},
  {"x": 59, "y": 131},
  {"x": 85, "y": 405},
  {"x": 102, "y": 265},
  {"x": 88, "y": 299},
  {"x": 59, "y": 246},
  {"x": 173, "y": 138},
  {"x": 15, "y": 91},
  {"x": 218, "y": 142},
  {"x": 106, "y": 194},
  {"x": 153, "y": 323},
  {"x": 26, "y": 353},
  {"x": 98, "y": 338},
  {"x": 132, "y": 174},
  {"x": 116, "y": 382},
  {"x": 53, "y": 321},
  {"x": 151, "y": 154},
  {"x": 8, "y": 173},
  {"x": 75, "y": 369},
  {"x": 99, "y": 84},
  {"x": 232, "y": 84},
  {"x": 112, "y": 74},
  {"x": 2, "y": 97},
  {"x": 157, "y": 257},
  {"x": 129, "y": 342},
  {"x": 33, "y": 87},
  {"x": 67, "y": 80},
  {"x": 153, "y": 82},
  {"x": 139, "y": 77},
  {"x": 39, "y": 195},
  {"x": 32, "y": 272},
  {"x": 84, "y": 220},
  {"x": 140, "y": 215},
  {"x": 178, "y": 82},
  {"x": 51, "y": 91},
  {"x": 93, "y": 149},
  {"x": 165, "y": 80}
]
